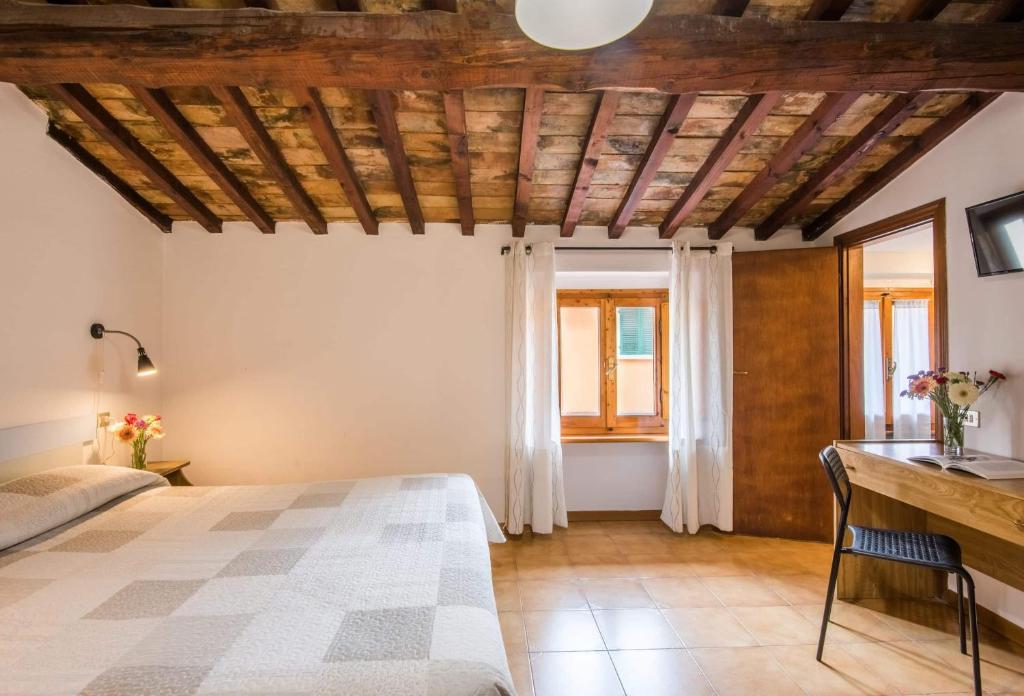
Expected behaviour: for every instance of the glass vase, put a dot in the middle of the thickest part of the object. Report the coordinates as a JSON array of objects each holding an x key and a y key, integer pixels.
[
  {"x": 139, "y": 456},
  {"x": 953, "y": 436}
]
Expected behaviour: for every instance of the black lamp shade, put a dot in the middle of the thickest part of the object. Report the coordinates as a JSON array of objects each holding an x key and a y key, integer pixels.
[{"x": 146, "y": 366}]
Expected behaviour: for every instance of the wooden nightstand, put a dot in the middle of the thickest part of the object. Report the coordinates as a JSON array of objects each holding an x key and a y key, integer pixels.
[{"x": 171, "y": 470}]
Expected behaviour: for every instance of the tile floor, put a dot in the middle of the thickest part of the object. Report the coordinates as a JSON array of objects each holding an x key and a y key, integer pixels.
[{"x": 630, "y": 608}]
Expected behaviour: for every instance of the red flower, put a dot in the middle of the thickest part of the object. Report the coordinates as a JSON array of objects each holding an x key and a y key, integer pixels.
[
  {"x": 996, "y": 375},
  {"x": 941, "y": 380},
  {"x": 131, "y": 419}
]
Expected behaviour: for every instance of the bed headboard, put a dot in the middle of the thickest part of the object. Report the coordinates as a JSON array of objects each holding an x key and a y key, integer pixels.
[{"x": 27, "y": 449}]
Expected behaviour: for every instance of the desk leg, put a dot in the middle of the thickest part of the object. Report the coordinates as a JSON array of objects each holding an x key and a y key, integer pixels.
[
  {"x": 178, "y": 478},
  {"x": 867, "y": 578}
]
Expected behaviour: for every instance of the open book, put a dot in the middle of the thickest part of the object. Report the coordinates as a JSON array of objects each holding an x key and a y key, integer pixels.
[{"x": 983, "y": 465}]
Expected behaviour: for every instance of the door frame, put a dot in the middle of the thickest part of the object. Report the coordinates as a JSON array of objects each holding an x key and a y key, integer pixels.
[{"x": 851, "y": 289}]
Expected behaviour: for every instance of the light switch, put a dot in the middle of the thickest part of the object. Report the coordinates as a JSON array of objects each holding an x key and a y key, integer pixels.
[{"x": 973, "y": 419}]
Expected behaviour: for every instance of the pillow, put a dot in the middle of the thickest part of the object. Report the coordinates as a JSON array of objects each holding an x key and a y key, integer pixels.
[{"x": 37, "y": 503}]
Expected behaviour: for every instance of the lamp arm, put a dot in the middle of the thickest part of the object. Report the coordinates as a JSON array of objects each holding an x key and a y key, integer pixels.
[{"x": 97, "y": 331}]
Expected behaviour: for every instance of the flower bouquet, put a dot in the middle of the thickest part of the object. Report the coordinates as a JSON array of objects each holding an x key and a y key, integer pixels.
[
  {"x": 138, "y": 431},
  {"x": 953, "y": 393}
]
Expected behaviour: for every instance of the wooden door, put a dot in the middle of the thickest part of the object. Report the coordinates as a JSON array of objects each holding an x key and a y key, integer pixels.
[{"x": 785, "y": 390}]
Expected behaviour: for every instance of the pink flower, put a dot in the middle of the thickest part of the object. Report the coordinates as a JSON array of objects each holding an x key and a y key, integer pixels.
[
  {"x": 996, "y": 375},
  {"x": 922, "y": 387}
]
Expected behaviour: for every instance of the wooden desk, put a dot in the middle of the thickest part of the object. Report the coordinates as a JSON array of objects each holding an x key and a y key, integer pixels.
[
  {"x": 986, "y": 517},
  {"x": 171, "y": 470}
]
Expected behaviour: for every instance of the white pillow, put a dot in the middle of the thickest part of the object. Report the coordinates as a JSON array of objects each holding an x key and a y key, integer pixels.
[{"x": 37, "y": 503}]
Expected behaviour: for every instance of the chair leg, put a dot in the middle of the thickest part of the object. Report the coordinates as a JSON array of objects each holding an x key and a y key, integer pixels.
[
  {"x": 833, "y": 575},
  {"x": 960, "y": 613},
  {"x": 972, "y": 609}
]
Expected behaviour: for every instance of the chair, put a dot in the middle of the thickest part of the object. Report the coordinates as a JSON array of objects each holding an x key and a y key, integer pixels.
[{"x": 917, "y": 548}]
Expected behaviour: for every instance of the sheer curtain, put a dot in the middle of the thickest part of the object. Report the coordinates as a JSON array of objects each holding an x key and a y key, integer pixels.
[
  {"x": 874, "y": 375},
  {"x": 911, "y": 418},
  {"x": 535, "y": 493},
  {"x": 699, "y": 489}
]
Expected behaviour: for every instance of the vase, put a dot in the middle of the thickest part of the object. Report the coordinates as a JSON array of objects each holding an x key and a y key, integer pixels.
[
  {"x": 139, "y": 456},
  {"x": 953, "y": 436}
]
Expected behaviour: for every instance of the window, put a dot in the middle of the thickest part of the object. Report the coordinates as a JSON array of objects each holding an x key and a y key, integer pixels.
[{"x": 613, "y": 380}]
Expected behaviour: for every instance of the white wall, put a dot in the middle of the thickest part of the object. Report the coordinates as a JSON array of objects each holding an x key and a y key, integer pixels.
[
  {"x": 981, "y": 161},
  {"x": 72, "y": 252}
]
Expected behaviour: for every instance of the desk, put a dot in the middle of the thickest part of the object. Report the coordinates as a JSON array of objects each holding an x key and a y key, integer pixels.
[
  {"x": 986, "y": 517},
  {"x": 171, "y": 470}
]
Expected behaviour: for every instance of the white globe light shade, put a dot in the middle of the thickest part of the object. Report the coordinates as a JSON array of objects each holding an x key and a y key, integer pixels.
[{"x": 575, "y": 25}]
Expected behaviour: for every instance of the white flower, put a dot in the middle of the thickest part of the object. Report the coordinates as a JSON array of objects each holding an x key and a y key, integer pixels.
[
  {"x": 963, "y": 393},
  {"x": 956, "y": 377}
]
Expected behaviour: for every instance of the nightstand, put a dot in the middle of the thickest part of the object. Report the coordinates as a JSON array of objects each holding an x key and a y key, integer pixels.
[{"x": 171, "y": 470}]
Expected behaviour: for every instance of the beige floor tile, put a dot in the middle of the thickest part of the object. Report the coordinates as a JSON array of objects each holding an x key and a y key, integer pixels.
[
  {"x": 513, "y": 630},
  {"x": 506, "y": 595},
  {"x": 547, "y": 595},
  {"x": 606, "y": 566},
  {"x": 708, "y": 628},
  {"x": 679, "y": 593},
  {"x": 909, "y": 667},
  {"x": 616, "y": 594},
  {"x": 838, "y": 674},
  {"x": 798, "y": 589},
  {"x": 568, "y": 673},
  {"x": 634, "y": 544},
  {"x": 522, "y": 676},
  {"x": 659, "y": 566},
  {"x": 660, "y": 673},
  {"x": 592, "y": 545},
  {"x": 561, "y": 631},
  {"x": 782, "y": 563},
  {"x": 722, "y": 566},
  {"x": 743, "y": 592},
  {"x": 503, "y": 569},
  {"x": 635, "y": 629},
  {"x": 745, "y": 671},
  {"x": 1002, "y": 667},
  {"x": 917, "y": 620},
  {"x": 552, "y": 568},
  {"x": 577, "y": 529},
  {"x": 777, "y": 625},
  {"x": 851, "y": 623}
]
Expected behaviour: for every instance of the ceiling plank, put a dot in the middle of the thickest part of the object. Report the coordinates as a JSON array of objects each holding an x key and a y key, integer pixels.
[
  {"x": 920, "y": 10},
  {"x": 731, "y": 8},
  {"x": 901, "y": 108},
  {"x": 877, "y": 180},
  {"x": 679, "y": 106},
  {"x": 827, "y": 10},
  {"x": 160, "y": 106},
  {"x": 115, "y": 182},
  {"x": 607, "y": 105},
  {"x": 157, "y": 47},
  {"x": 1005, "y": 11},
  {"x": 110, "y": 129},
  {"x": 327, "y": 138},
  {"x": 533, "y": 107},
  {"x": 740, "y": 131},
  {"x": 243, "y": 117},
  {"x": 387, "y": 127},
  {"x": 455, "y": 119},
  {"x": 803, "y": 140}
]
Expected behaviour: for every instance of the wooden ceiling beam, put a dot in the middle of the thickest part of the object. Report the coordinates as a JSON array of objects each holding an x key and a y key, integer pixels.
[
  {"x": 827, "y": 10},
  {"x": 387, "y": 127},
  {"x": 134, "y": 199},
  {"x": 920, "y": 10},
  {"x": 731, "y": 8},
  {"x": 160, "y": 107},
  {"x": 327, "y": 138},
  {"x": 79, "y": 100},
  {"x": 533, "y": 106},
  {"x": 877, "y": 180},
  {"x": 738, "y": 134},
  {"x": 679, "y": 106},
  {"x": 243, "y": 117},
  {"x": 901, "y": 108},
  {"x": 458, "y": 144},
  {"x": 1005, "y": 11},
  {"x": 125, "y": 44},
  {"x": 607, "y": 104},
  {"x": 802, "y": 141}
]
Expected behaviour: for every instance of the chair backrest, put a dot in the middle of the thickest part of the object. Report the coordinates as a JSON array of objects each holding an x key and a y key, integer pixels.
[{"x": 837, "y": 477}]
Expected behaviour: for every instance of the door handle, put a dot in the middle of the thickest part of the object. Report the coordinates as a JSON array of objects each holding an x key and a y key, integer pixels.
[{"x": 740, "y": 372}]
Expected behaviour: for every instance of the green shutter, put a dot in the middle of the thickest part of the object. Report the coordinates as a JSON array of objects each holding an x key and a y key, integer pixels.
[{"x": 636, "y": 331}]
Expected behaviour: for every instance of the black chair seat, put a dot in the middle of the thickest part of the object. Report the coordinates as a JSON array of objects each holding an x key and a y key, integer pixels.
[{"x": 935, "y": 550}]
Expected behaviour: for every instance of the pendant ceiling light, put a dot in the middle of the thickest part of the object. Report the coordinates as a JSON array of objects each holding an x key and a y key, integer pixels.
[{"x": 574, "y": 25}]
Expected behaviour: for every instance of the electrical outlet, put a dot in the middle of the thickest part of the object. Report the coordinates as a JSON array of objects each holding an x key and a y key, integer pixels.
[
  {"x": 103, "y": 419},
  {"x": 973, "y": 419}
]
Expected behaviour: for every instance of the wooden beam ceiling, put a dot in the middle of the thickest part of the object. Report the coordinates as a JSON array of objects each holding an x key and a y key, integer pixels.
[
  {"x": 128, "y": 146},
  {"x": 160, "y": 107},
  {"x": 920, "y": 10},
  {"x": 326, "y": 136},
  {"x": 607, "y": 105},
  {"x": 387, "y": 128},
  {"x": 533, "y": 107},
  {"x": 458, "y": 144},
  {"x": 43, "y": 44},
  {"x": 740, "y": 131},
  {"x": 245, "y": 119}
]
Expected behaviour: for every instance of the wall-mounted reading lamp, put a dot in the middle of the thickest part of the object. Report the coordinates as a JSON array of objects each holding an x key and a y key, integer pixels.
[{"x": 146, "y": 366}]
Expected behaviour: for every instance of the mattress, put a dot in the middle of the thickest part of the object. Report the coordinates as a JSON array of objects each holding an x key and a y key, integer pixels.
[{"x": 368, "y": 586}]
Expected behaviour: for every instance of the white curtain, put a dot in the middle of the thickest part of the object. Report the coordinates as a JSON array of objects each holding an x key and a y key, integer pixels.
[
  {"x": 874, "y": 372},
  {"x": 911, "y": 418},
  {"x": 535, "y": 494},
  {"x": 699, "y": 489}
]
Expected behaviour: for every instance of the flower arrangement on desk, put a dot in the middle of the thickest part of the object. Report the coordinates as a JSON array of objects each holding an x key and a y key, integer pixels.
[
  {"x": 138, "y": 431},
  {"x": 954, "y": 393}
]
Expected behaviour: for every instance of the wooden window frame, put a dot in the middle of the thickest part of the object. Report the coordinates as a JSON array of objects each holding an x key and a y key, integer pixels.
[{"x": 608, "y": 425}]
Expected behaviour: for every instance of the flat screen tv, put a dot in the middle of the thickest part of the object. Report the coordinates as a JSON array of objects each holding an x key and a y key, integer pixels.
[{"x": 997, "y": 233}]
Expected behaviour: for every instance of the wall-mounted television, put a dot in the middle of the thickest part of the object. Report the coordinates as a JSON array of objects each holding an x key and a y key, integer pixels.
[{"x": 997, "y": 233}]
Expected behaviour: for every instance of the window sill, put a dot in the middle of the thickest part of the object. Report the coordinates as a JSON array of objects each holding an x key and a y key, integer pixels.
[{"x": 589, "y": 439}]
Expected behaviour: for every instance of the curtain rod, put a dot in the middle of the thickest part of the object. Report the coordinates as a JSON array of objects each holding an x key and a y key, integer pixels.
[{"x": 713, "y": 249}]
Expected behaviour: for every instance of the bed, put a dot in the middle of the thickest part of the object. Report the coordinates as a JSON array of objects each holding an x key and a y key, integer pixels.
[{"x": 368, "y": 586}]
